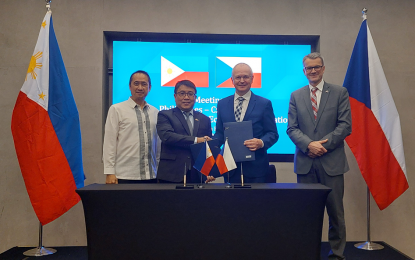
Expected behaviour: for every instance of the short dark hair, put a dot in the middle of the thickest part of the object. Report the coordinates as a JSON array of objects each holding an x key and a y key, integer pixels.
[
  {"x": 185, "y": 82},
  {"x": 142, "y": 72},
  {"x": 313, "y": 56}
]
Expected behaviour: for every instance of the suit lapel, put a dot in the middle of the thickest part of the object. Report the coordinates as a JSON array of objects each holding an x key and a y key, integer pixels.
[
  {"x": 251, "y": 105},
  {"x": 230, "y": 107},
  {"x": 196, "y": 117},
  {"x": 323, "y": 101},
  {"x": 178, "y": 113},
  {"x": 307, "y": 101}
]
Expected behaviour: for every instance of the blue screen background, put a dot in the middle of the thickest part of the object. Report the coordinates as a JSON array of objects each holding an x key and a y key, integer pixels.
[{"x": 281, "y": 74}]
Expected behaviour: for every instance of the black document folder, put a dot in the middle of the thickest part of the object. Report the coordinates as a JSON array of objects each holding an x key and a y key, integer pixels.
[
  {"x": 214, "y": 148},
  {"x": 237, "y": 133}
]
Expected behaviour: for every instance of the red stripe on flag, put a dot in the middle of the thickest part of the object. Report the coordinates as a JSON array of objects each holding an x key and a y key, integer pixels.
[
  {"x": 207, "y": 166},
  {"x": 45, "y": 169},
  {"x": 220, "y": 162},
  {"x": 379, "y": 167},
  {"x": 200, "y": 79}
]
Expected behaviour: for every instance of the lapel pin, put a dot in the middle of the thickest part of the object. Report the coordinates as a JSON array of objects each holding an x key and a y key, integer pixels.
[
  {"x": 196, "y": 119},
  {"x": 327, "y": 91}
]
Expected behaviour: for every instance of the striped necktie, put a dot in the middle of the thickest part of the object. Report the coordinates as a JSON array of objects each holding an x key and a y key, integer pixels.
[
  {"x": 238, "y": 109},
  {"x": 314, "y": 101}
]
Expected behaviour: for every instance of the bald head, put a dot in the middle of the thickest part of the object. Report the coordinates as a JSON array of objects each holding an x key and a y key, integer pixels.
[
  {"x": 241, "y": 66},
  {"x": 242, "y": 78}
]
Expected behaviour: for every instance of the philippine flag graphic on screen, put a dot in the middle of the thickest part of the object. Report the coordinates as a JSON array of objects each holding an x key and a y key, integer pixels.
[
  {"x": 171, "y": 73},
  {"x": 224, "y": 66}
]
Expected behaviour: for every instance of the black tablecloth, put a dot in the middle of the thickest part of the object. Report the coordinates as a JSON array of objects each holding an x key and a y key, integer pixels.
[{"x": 158, "y": 221}]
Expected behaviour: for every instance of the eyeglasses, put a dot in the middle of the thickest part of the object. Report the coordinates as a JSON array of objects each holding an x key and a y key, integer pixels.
[
  {"x": 239, "y": 78},
  {"x": 183, "y": 94},
  {"x": 316, "y": 68}
]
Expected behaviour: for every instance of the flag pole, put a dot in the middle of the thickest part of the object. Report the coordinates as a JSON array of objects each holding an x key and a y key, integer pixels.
[
  {"x": 242, "y": 176},
  {"x": 228, "y": 185},
  {"x": 40, "y": 250},
  {"x": 184, "y": 177},
  {"x": 368, "y": 245}
]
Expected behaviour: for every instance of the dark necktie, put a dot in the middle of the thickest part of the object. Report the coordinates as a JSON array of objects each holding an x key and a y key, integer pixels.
[
  {"x": 189, "y": 123},
  {"x": 238, "y": 109}
]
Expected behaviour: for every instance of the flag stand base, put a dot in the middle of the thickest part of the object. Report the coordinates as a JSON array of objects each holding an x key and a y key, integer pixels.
[
  {"x": 369, "y": 246},
  {"x": 40, "y": 251}
]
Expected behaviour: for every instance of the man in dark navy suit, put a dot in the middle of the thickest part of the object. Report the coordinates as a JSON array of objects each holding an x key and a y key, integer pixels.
[
  {"x": 178, "y": 128},
  {"x": 244, "y": 105}
]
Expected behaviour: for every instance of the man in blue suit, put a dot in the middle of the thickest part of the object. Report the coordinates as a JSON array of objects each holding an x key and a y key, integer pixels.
[{"x": 244, "y": 105}]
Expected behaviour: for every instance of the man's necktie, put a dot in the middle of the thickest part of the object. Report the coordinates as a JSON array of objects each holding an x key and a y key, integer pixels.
[
  {"x": 238, "y": 109},
  {"x": 314, "y": 101},
  {"x": 189, "y": 123}
]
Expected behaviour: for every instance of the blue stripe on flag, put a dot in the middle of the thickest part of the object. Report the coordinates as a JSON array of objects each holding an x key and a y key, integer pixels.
[
  {"x": 62, "y": 110},
  {"x": 357, "y": 76}
]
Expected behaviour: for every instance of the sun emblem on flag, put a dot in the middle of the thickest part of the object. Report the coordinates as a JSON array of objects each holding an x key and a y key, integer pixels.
[{"x": 34, "y": 64}]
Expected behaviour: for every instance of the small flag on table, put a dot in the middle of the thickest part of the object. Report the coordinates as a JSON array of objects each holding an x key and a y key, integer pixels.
[
  {"x": 205, "y": 160},
  {"x": 225, "y": 161}
]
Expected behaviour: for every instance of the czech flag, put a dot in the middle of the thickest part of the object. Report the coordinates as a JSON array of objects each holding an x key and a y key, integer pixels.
[
  {"x": 46, "y": 131},
  {"x": 171, "y": 74},
  {"x": 376, "y": 139},
  {"x": 225, "y": 65},
  {"x": 225, "y": 161},
  {"x": 205, "y": 160}
]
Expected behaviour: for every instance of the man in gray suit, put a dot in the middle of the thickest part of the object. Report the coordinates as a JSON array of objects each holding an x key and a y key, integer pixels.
[{"x": 319, "y": 120}]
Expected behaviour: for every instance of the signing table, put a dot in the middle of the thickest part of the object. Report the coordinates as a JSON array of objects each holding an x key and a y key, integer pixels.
[{"x": 158, "y": 221}]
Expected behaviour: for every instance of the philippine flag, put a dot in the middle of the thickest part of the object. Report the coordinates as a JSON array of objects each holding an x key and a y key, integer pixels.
[
  {"x": 224, "y": 66},
  {"x": 46, "y": 131},
  {"x": 376, "y": 139},
  {"x": 225, "y": 161},
  {"x": 171, "y": 74},
  {"x": 205, "y": 160}
]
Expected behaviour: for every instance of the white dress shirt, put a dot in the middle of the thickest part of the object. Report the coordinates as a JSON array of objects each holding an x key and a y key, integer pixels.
[
  {"x": 247, "y": 97},
  {"x": 124, "y": 154}
]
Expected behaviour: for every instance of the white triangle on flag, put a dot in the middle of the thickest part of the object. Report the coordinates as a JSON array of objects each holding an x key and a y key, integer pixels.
[
  {"x": 254, "y": 63},
  {"x": 169, "y": 71}
]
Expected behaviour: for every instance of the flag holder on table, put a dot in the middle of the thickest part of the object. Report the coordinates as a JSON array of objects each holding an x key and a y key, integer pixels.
[
  {"x": 40, "y": 250},
  {"x": 185, "y": 185},
  {"x": 242, "y": 186}
]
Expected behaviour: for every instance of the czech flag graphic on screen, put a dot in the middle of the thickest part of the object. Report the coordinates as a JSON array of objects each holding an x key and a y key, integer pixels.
[
  {"x": 224, "y": 66},
  {"x": 171, "y": 73}
]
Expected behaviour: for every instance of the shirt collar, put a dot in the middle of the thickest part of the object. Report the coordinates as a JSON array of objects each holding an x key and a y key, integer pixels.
[
  {"x": 132, "y": 103},
  {"x": 247, "y": 96},
  {"x": 319, "y": 86}
]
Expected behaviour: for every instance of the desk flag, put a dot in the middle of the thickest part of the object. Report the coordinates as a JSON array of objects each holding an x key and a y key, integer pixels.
[
  {"x": 205, "y": 160},
  {"x": 376, "y": 139},
  {"x": 46, "y": 131},
  {"x": 225, "y": 161}
]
